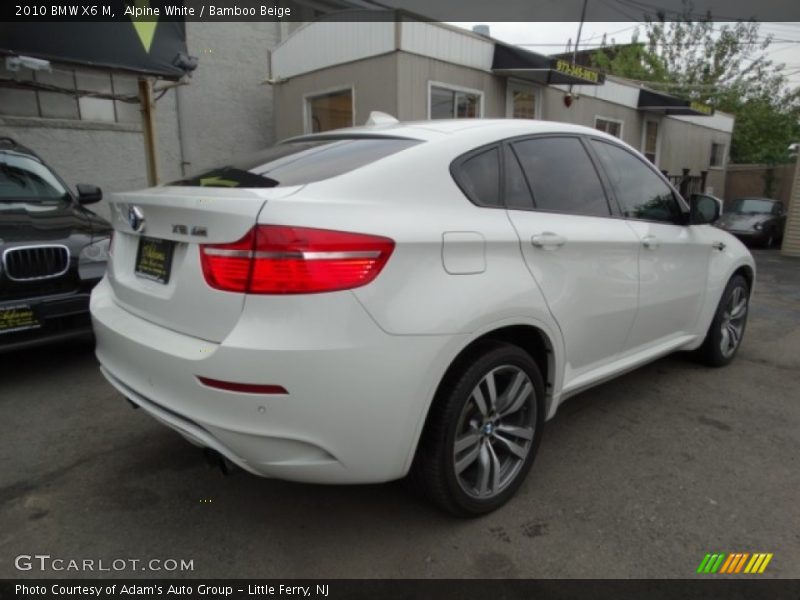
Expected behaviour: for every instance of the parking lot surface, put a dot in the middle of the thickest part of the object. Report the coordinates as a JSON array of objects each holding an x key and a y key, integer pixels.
[{"x": 638, "y": 478}]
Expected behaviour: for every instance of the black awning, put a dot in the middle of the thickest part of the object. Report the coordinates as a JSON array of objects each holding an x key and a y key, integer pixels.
[
  {"x": 672, "y": 105},
  {"x": 523, "y": 64}
]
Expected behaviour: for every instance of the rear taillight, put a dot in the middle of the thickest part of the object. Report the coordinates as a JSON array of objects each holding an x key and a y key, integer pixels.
[{"x": 276, "y": 259}]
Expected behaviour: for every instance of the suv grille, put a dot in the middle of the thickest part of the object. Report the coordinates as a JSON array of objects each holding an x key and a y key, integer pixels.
[{"x": 27, "y": 263}]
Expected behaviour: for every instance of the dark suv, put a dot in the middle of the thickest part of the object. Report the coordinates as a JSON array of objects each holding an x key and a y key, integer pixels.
[{"x": 52, "y": 251}]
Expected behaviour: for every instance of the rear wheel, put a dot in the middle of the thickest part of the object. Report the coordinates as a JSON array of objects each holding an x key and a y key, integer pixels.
[
  {"x": 727, "y": 329},
  {"x": 483, "y": 431}
]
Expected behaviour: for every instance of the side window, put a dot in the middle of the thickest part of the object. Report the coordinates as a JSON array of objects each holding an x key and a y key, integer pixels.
[
  {"x": 479, "y": 178},
  {"x": 561, "y": 176},
  {"x": 642, "y": 193},
  {"x": 518, "y": 194}
]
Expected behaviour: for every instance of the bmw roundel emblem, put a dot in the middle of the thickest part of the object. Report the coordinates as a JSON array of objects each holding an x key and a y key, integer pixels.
[{"x": 136, "y": 218}]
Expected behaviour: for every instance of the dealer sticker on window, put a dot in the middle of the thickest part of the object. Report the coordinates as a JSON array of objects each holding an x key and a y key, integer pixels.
[{"x": 18, "y": 317}]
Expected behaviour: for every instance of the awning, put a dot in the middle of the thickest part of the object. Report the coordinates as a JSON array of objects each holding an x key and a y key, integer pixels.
[
  {"x": 511, "y": 61},
  {"x": 141, "y": 46},
  {"x": 667, "y": 104}
]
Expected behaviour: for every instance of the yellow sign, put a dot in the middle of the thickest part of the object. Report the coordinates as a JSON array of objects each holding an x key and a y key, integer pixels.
[
  {"x": 703, "y": 108},
  {"x": 578, "y": 71},
  {"x": 154, "y": 259},
  {"x": 18, "y": 318}
]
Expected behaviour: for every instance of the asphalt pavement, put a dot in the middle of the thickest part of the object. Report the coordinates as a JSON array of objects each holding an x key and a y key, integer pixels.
[{"x": 637, "y": 478}]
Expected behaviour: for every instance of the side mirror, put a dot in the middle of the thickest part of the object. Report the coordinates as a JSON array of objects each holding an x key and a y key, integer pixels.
[
  {"x": 704, "y": 210},
  {"x": 88, "y": 194}
]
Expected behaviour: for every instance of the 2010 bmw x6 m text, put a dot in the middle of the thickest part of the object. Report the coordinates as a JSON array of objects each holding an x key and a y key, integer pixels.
[{"x": 350, "y": 306}]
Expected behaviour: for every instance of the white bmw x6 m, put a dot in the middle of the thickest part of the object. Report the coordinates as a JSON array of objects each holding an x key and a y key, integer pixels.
[{"x": 351, "y": 306}]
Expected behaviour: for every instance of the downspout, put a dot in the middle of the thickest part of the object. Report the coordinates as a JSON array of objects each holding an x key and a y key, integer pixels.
[{"x": 183, "y": 127}]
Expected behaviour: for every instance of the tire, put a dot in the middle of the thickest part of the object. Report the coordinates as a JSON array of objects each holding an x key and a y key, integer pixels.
[
  {"x": 711, "y": 352},
  {"x": 466, "y": 481}
]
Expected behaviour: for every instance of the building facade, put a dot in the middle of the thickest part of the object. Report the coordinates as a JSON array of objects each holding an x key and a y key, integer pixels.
[
  {"x": 333, "y": 74},
  {"x": 224, "y": 109}
]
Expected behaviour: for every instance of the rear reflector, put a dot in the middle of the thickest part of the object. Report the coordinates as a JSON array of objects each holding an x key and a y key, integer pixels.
[
  {"x": 277, "y": 259},
  {"x": 246, "y": 388}
]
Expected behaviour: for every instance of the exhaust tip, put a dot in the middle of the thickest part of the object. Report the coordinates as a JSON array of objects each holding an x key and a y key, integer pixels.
[{"x": 218, "y": 461}]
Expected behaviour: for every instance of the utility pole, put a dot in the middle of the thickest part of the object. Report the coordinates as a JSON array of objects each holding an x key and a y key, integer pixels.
[
  {"x": 580, "y": 28},
  {"x": 568, "y": 97},
  {"x": 149, "y": 129}
]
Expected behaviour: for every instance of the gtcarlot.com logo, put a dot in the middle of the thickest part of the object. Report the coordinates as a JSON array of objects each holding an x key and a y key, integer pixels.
[
  {"x": 45, "y": 562},
  {"x": 723, "y": 563}
]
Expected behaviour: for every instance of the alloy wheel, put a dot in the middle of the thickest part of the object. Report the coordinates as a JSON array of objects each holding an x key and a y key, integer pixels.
[
  {"x": 495, "y": 432},
  {"x": 733, "y": 320}
]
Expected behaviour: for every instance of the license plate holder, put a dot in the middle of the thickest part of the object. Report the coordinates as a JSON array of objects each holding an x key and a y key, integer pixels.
[
  {"x": 154, "y": 259},
  {"x": 18, "y": 317}
]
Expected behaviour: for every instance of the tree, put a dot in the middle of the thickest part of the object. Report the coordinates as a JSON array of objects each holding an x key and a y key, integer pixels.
[{"x": 725, "y": 66}]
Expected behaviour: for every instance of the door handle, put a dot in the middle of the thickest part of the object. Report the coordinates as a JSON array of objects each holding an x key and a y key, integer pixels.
[
  {"x": 548, "y": 240},
  {"x": 718, "y": 246},
  {"x": 650, "y": 242}
]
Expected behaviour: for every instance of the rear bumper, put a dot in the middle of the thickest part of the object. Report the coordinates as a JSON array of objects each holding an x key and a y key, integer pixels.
[
  {"x": 62, "y": 317},
  {"x": 356, "y": 395}
]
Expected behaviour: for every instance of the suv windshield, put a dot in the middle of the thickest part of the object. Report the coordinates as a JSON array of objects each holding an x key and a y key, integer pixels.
[
  {"x": 23, "y": 178},
  {"x": 298, "y": 163},
  {"x": 753, "y": 206}
]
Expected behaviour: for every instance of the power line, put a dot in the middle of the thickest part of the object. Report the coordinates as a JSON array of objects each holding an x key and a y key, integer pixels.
[
  {"x": 658, "y": 10},
  {"x": 611, "y": 46},
  {"x": 597, "y": 35},
  {"x": 620, "y": 11}
]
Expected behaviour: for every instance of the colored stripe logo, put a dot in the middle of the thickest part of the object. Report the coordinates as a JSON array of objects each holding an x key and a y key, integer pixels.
[{"x": 734, "y": 562}]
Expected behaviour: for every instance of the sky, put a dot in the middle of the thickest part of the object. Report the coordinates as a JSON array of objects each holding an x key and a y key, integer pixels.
[{"x": 550, "y": 38}]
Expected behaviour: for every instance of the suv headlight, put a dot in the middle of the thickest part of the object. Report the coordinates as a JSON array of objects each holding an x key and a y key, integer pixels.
[
  {"x": 758, "y": 226},
  {"x": 93, "y": 258}
]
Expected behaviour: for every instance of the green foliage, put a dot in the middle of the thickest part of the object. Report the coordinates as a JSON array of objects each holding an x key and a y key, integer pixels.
[
  {"x": 724, "y": 65},
  {"x": 762, "y": 133}
]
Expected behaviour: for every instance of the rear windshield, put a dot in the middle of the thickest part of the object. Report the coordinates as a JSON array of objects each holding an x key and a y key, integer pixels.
[
  {"x": 756, "y": 206},
  {"x": 298, "y": 163}
]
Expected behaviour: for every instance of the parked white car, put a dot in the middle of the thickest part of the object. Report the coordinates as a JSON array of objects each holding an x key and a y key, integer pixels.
[{"x": 349, "y": 306}]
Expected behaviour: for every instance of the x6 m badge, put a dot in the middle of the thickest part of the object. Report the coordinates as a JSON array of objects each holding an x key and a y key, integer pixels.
[{"x": 185, "y": 230}]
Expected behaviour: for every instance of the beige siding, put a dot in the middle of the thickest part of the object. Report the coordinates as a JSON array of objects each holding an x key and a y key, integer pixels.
[
  {"x": 791, "y": 235},
  {"x": 414, "y": 72},
  {"x": 585, "y": 108},
  {"x": 324, "y": 44},
  {"x": 686, "y": 145},
  {"x": 453, "y": 46},
  {"x": 375, "y": 88}
]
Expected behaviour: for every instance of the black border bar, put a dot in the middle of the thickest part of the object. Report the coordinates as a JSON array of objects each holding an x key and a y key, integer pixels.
[
  {"x": 713, "y": 587},
  {"x": 393, "y": 10}
]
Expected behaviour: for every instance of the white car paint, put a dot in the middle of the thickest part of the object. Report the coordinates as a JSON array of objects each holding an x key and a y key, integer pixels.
[{"x": 361, "y": 366}]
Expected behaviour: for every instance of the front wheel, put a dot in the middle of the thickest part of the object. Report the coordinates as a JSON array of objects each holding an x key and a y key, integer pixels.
[
  {"x": 483, "y": 431},
  {"x": 726, "y": 331}
]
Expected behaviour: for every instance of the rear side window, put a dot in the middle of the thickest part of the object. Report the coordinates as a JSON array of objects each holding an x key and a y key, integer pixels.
[
  {"x": 479, "y": 177},
  {"x": 518, "y": 195},
  {"x": 298, "y": 163},
  {"x": 642, "y": 193},
  {"x": 561, "y": 176}
]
